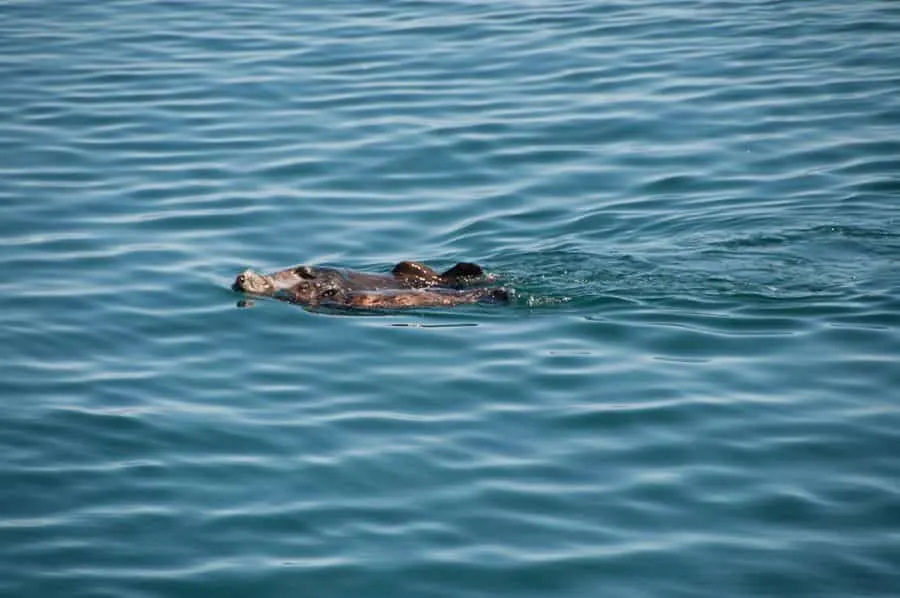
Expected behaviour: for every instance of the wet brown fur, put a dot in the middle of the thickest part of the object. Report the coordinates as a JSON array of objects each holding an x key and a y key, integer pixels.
[{"x": 409, "y": 284}]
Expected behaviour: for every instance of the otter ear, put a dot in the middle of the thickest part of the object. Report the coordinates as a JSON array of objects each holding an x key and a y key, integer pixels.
[
  {"x": 414, "y": 270},
  {"x": 463, "y": 270}
]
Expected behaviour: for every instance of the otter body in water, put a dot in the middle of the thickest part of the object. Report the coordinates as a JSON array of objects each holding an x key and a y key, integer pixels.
[{"x": 409, "y": 284}]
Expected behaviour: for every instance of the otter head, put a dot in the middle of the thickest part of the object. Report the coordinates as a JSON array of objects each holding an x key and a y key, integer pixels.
[
  {"x": 254, "y": 283},
  {"x": 314, "y": 286}
]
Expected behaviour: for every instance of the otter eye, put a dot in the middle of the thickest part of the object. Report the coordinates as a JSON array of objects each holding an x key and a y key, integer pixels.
[
  {"x": 304, "y": 272},
  {"x": 242, "y": 279}
]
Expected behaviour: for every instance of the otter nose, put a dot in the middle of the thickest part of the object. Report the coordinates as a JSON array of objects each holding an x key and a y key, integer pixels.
[{"x": 238, "y": 285}]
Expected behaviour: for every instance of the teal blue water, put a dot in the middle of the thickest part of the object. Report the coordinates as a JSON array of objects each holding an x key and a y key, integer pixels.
[{"x": 695, "y": 392}]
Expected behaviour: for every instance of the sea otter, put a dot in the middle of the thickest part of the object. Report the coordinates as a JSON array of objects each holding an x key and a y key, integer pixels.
[{"x": 409, "y": 284}]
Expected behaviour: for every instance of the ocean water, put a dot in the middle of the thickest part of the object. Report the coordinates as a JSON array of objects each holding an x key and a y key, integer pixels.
[{"x": 695, "y": 392}]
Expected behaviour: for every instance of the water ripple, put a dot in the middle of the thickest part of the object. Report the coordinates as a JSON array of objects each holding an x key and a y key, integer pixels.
[{"x": 690, "y": 394}]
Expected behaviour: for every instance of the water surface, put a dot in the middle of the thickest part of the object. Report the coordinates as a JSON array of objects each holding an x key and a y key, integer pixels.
[{"x": 694, "y": 392}]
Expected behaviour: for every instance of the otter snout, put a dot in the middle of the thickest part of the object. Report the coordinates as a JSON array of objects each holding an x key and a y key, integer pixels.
[
  {"x": 251, "y": 282},
  {"x": 240, "y": 281}
]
